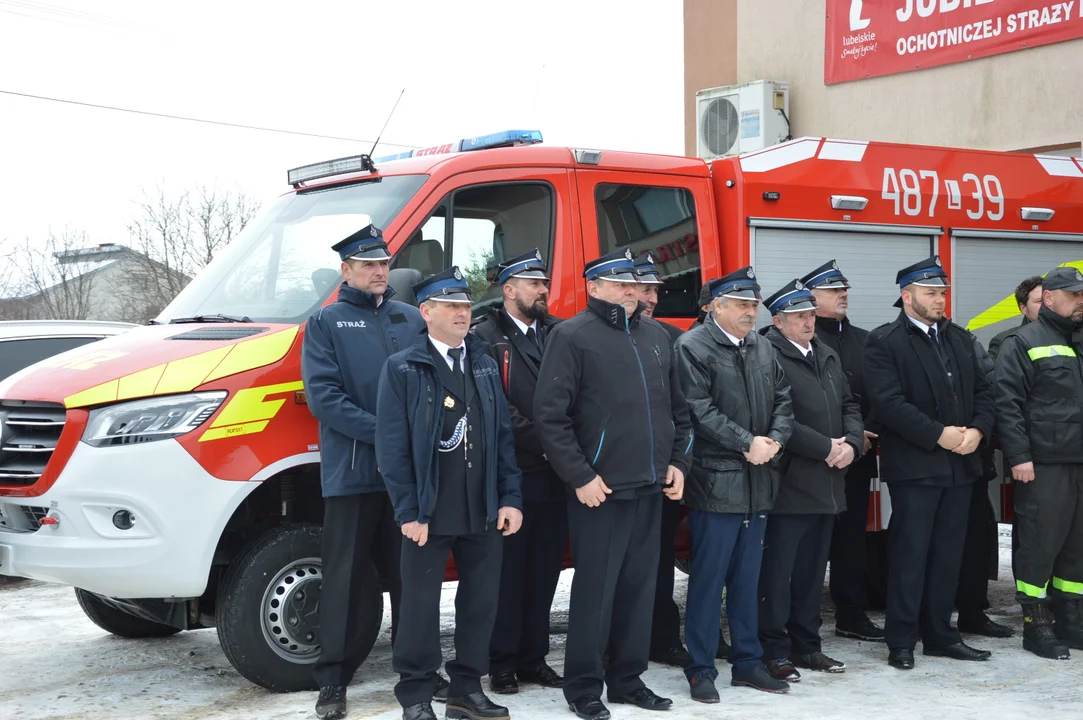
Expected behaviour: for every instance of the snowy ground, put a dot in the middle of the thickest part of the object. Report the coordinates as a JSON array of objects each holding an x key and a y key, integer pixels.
[{"x": 57, "y": 664}]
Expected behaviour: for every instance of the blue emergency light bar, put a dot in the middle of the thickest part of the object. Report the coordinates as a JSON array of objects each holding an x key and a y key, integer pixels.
[{"x": 508, "y": 138}]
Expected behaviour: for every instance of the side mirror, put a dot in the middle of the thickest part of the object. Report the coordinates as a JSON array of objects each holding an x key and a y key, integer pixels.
[{"x": 403, "y": 281}]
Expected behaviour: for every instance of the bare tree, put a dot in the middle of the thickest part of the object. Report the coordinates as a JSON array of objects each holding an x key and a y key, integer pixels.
[
  {"x": 50, "y": 280},
  {"x": 176, "y": 236}
]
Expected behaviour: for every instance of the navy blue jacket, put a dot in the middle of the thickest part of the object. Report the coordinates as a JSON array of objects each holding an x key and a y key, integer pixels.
[
  {"x": 410, "y": 411},
  {"x": 346, "y": 344}
]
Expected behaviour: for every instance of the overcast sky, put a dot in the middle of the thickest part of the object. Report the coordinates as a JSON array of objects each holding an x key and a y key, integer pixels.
[{"x": 596, "y": 73}]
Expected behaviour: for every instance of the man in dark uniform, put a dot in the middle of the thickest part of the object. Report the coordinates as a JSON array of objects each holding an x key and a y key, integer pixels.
[
  {"x": 445, "y": 447},
  {"x": 849, "y": 537},
  {"x": 1028, "y": 295},
  {"x": 827, "y": 436},
  {"x": 534, "y": 556},
  {"x": 740, "y": 404},
  {"x": 1039, "y": 382},
  {"x": 666, "y": 646},
  {"x": 344, "y": 349},
  {"x": 615, "y": 426},
  {"x": 934, "y": 406}
]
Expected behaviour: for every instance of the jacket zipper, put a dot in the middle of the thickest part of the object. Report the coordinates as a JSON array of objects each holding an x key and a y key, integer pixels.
[
  {"x": 658, "y": 357},
  {"x": 353, "y": 454},
  {"x": 831, "y": 486},
  {"x": 748, "y": 399},
  {"x": 646, "y": 394}
]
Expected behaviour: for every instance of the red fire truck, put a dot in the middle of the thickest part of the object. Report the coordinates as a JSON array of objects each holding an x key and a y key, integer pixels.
[{"x": 170, "y": 474}]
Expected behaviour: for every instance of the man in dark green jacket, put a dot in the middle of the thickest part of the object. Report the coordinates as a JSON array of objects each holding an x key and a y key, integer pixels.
[
  {"x": 741, "y": 412},
  {"x": 1039, "y": 383}
]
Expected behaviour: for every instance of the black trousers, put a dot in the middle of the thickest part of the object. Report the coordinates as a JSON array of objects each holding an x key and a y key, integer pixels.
[
  {"x": 359, "y": 533},
  {"x": 848, "y": 554},
  {"x": 615, "y": 551},
  {"x": 925, "y": 550},
  {"x": 666, "y": 622},
  {"x": 533, "y": 559},
  {"x": 795, "y": 551},
  {"x": 416, "y": 655},
  {"x": 981, "y": 555},
  {"x": 1049, "y": 524}
]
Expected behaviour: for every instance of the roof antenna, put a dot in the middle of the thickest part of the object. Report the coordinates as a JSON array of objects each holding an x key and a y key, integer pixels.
[{"x": 371, "y": 167}]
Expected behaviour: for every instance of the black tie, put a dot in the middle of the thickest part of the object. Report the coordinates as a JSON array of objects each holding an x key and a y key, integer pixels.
[
  {"x": 939, "y": 345},
  {"x": 533, "y": 337},
  {"x": 456, "y": 368},
  {"x": 741, "y": 342}
]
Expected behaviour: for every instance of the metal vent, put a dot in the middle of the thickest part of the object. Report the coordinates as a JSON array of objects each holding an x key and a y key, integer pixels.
[
  {"x": 29, "y": 433},
  {"x": 719, "y": 125},
  {"x": 228, "y": 333}
]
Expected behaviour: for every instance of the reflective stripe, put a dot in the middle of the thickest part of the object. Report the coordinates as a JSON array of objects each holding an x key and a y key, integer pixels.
[
  {"x": 1048, "y": 351},
  {"x": 1032, "y": 590},
  {"x": 599, "y": 453},
  {"x": 1068, "y": 586}
]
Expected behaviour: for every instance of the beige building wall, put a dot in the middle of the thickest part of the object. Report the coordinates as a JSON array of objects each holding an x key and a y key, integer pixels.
[
  {"x": 710, "y": 55},
  {"x": 1026, "y": 100}
]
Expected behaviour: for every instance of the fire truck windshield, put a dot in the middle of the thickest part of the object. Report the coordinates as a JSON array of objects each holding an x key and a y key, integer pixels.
[{"x": 282, "y": 267}]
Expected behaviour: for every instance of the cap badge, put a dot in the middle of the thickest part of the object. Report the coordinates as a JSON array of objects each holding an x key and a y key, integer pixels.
[
  {"x": 834, "y": 265},
  {"x": 751, "y": 274},
  {"x": 537, "y": 255},
  {"x": 797, "y": 285},
  {"x": 627, "y": 254},
  {"x": 938, "y": 262},
  {"x": 1078, "y": 276},
  {"x": 372, "y": 231},
  {"x": 458, "y": 275}
]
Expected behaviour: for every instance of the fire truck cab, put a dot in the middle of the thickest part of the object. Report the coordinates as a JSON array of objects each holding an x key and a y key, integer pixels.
[{"x": 171, "y": 473}]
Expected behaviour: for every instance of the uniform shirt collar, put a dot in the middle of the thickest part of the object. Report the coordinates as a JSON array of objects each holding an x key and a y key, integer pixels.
[
  {"x": 442, "y": 348},
  {"x": 919, "y": 324},
  {"x": 804, "y": 351},
  {"x": 523, "y": 327},
  {"x": 735, "y": 340}
]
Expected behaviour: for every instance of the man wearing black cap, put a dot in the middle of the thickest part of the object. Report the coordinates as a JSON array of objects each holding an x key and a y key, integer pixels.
[
  {"x": 934, "y": 406},
  {"x": 344, "y": 349},
  {"x": 666, "y": 646},
  {"x": 742, "y": 415},
  {"x": 533, "y": 557},
  {"x": 614, "y": 424},
  {"x": 445, "y": 446},
  {"x": 1039, "y": 383},
  {"x": 827, "y": 436},
  {"x": 831, "y": 289}
]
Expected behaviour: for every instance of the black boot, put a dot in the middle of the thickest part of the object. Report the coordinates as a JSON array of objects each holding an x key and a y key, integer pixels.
[
  {"x": 1038, "y": 635},
  {"x": 1068, "y": 626}
]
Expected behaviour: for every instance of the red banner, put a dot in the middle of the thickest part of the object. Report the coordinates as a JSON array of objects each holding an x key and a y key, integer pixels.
[{"x": 868, "y": 38}]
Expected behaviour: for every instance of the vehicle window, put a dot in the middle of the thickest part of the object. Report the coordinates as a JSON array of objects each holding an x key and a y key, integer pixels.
[
  {"x": 489, "y": 224},
  {"x": 661, "y": 220},
  {"x": 18, "y": 354},
  {"x": 282, "y": 266}
]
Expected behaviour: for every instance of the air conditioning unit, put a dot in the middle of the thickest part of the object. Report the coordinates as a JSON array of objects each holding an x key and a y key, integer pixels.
[{"x": 738, "y": 119}]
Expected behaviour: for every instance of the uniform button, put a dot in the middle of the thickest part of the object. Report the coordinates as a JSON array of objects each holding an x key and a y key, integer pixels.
[
  {"x": 470, "y": 428},
  {"x": 471, "y": 446},
  {"x": 470, "y": 465},
  {"x": 849, "y": 373}
]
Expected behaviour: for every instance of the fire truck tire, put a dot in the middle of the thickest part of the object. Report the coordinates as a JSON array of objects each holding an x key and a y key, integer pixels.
[
  {"x": 266, "y": 609},
  {"x": 114, "y": 620}
]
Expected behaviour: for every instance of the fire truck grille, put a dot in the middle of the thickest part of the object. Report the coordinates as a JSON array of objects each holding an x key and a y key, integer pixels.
[{"x": 29, "y": 433}]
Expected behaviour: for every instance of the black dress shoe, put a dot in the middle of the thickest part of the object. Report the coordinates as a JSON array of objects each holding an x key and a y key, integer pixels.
[
  {"x": 475, "y": 706},
  {"x": 331, "y": 704},
  {"x": 644, "y": 698},
  {"x": 541, "y": 674},
  {"x": 674, "y": 657},
  {"x": 984, "y": 626},
  {"x": 439, "y": 693},
  {"x": 958, "y": 651},
  {"x": 759, "y": 679},
  {"x": 421, "y": 711},
  {"x": 503, "y": 682},
  {"x": 902, "y": 659},
  {"x": 589, "y": 707},
  {"x": 859, "y": 629}
]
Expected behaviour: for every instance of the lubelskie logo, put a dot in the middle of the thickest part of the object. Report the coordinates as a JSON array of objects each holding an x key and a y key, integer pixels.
[{"x": 856, "y": 21}]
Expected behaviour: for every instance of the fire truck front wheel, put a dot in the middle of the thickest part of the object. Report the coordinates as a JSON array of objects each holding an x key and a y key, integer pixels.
[
  {"x": 267, "y": 611},
  {"x": 114, "y": 620}
]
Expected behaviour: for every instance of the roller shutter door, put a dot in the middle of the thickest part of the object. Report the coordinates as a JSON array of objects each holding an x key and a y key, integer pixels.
[
  {"x": 986, "y": 271},
  {"x": 869, "y": 260}
]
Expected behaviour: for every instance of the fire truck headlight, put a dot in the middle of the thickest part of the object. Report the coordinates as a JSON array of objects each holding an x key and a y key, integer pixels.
[{"x": 149, "y": 420}]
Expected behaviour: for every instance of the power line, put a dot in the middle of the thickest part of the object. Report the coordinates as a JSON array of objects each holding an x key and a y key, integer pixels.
[{"x": 198, "y": 120}]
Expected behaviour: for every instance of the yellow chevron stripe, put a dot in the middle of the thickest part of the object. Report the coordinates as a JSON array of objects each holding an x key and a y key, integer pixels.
[{"x": 1007, "y": 308}]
